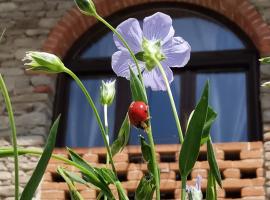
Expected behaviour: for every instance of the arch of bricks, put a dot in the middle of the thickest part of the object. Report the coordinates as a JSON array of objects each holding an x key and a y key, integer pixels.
[{"x": 241, "y": 12}]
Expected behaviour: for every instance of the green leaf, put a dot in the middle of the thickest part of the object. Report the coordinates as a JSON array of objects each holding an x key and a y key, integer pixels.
[
  {"x": 140, "y": 56},
  {"x": 191, "y": 145},
  {"x": 146, "y": 188},
  {"x": 75, "y": 195},
  {"x": 212, "y": 162},
  {"x": 265, "y": 60},
  {"x": 123, "y": 137},
  {"x": 210, "y": 118},
  {"x": 107, "y": 175},
  {"x": 90, "y": 174},
  {"x": 147, "y": 155},
  {"x": 211, "y": 192},
  {"x": 137, "y": 89},
  {"x": 36, "y": 177},
  {"x": 76, "y": 178}
]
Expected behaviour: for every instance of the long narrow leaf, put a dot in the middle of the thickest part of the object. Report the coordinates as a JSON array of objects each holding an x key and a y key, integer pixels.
[
  {"x": 210, "y": 118},
  {"x": 36, "y": 177},
  {"x": 137, "y": 89},
  {"x": 212, "y": 162},
  {"x": 147, "y": 155},
  {"x": 191, "y": 145},
  {"x": 123, "y": 137},
  {"x": 75, "y": 195}
]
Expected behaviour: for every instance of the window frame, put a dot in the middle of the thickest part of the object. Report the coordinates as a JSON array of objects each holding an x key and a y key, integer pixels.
[{"x": 229, "y": 60}]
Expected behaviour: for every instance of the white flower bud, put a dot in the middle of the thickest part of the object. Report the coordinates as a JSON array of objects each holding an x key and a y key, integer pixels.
[
  {"x": 41, "y": 61},
  {"x": 107, "y": 92}
]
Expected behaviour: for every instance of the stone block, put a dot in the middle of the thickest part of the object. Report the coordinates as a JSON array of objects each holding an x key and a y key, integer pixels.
[
  {"x": 8, "y": 7},
  {"x": 47, "y": 22},
  {"x": 4, "y": 175},
  {"x": 31, "y": 140}
]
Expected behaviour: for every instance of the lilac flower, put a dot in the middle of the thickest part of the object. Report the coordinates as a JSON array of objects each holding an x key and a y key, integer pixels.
[
  {"x": 156, "y": 38},
  {"x": 195, "y": 193}
]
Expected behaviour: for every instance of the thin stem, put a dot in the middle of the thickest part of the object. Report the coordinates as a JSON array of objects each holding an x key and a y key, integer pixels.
[
  {"x": 177, "y": 121},
  {"x": 120, "y": 189},
  {"x": 90, "y": 101},
  {"x": 120, "y": 37},
  {"x": 105, "y": 109},
  {"x": 14, "y": 134},
  {"x": 156, "y": 171},
  {"x": 183, "y": 190}
]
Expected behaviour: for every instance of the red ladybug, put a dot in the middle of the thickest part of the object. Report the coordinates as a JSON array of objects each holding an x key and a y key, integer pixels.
[{"x": 138, "y": 114}]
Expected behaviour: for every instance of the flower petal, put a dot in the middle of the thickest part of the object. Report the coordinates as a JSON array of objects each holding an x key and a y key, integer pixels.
[
  {"x": 131, "y": 31},
  {"x": 121, "y": 61},
  {"x": 155, "y": 80},
  {"x": 177, "y": 52},
  {"x": 158, "y": 27}
]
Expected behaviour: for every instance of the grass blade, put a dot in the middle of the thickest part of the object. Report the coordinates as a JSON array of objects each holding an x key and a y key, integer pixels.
[{"x": 36, "y": 177}]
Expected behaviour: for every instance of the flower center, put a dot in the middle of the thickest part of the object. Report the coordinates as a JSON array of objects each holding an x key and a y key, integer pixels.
[{"x": 152, "y": 51}]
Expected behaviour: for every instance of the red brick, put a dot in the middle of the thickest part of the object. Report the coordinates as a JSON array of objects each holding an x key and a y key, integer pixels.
[
  {"x": 260, "y": 172},
  {"x": 168, "y": 184},
  {"x": 42, "y": 89},
  {"x": 134, "y": 175},
  {"x": 240, "y": 183},
  {"x": 47, "y": 177},
  {"x": 201, "y": 172},
  {"x": 167, "y": 175},
  {"x": 91, "y": 158},
  {"x": 121, "y": 157},
  {"x": 251, "y": 154},
  {"x": 121, "y": 166},
  {"x": 88, "y": 193},
  {"x": 53, "y": 194},
  {"x": 252, "y": 191},
  {"x": 232, "y": 173}
]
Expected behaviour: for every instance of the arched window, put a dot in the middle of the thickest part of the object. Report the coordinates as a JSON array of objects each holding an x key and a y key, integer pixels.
[{"x": 221, "y": 53}]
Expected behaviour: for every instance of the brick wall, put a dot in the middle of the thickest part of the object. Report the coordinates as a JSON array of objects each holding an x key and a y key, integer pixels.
[
  {"x": 241, "y": 167},
  {"x": 46, "y": 24}
]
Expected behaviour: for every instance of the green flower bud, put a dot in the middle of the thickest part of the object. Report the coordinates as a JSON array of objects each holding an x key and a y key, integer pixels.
[
  {"x": 41, "y": 61},
  {"x": 107, "y": 92},
  {"x": 266, "y": 84},
  {"x": 151, "y": 50},
  {"x": 87, "y": 7}
]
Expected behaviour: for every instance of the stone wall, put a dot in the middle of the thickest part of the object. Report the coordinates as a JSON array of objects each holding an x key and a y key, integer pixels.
[
  {"x": 263, "y": 7},
  {"x": 28, "y": 24}
]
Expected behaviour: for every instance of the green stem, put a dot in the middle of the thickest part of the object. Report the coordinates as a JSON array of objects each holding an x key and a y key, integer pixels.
[
  {"x": 105, "y": 109},
  {"x": 14, "y": 134},
  {"x": 183, "y": 190},
  {"x": 90, "y": 101},
  {"x": 177, "y": 121},
  {"x": 149, "y": 132},
  {"x": 121, "y": 190},
  {"x": 156, "y": 171},
  {"x": 120, "y": 37}
]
